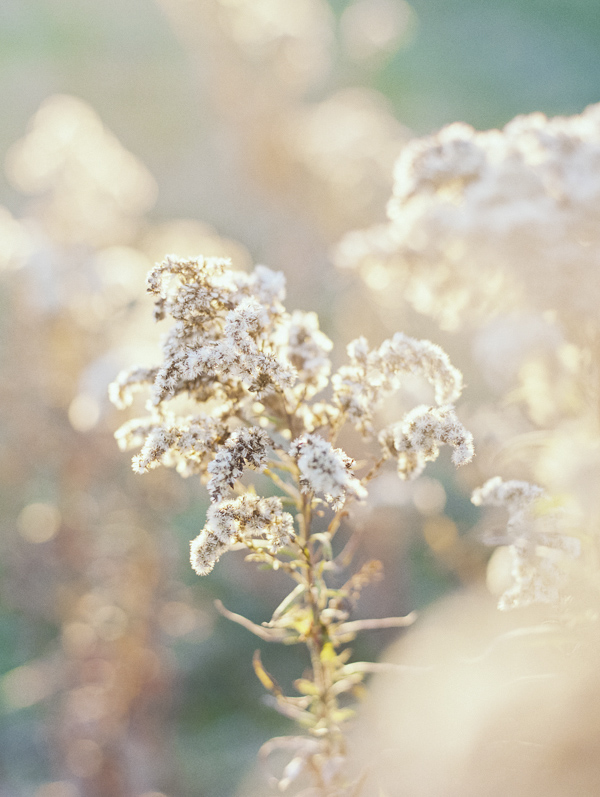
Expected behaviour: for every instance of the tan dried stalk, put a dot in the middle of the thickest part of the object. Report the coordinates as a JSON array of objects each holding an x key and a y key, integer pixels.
[{"x": 251, "y": 372}]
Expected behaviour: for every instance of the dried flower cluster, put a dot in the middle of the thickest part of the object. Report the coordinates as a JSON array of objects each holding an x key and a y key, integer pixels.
[
  {"x": 240, "y": 357},
  {"x": 537, "y": 543},
  {"x": 417, "y": 439},
  {"x": 250, "y": 374},
  {"x": 372, "y": 374},
  {"x": 327, "y": 470},
  {"x": 241, "y": 520},
  {"x": 504, "y": 223},
  {"x": 484, "y": 219}
]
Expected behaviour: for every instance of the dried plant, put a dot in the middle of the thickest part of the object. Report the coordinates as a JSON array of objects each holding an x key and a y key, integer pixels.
[
  {"x": 479, "y": 222},
  {"x": 496, "y": 232},
  {"x": 536, "y": 539},
  {"x": 496, "y": 229},
  {"x": 240, "y": 388}
]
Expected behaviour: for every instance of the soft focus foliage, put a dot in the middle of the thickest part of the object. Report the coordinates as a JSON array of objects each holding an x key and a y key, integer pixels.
[
  {"x": 130, "y": 130},
  {"x": 484, "y": 703},
  {"x": 483, "y": 221}
]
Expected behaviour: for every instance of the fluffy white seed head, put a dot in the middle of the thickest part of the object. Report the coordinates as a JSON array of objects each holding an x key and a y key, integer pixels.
[
  {"x": 240, "y": 520},
  {"x": 536, "y": 540},
  {"x": 244, "y": 448},
  {"x": 375, "y": 373},
  {"x": 325, "y": 470},
  {"x": 416, "y": 440}
]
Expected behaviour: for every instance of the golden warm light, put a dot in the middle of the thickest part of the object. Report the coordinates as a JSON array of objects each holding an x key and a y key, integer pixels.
[{"x": 299, "y": 345}]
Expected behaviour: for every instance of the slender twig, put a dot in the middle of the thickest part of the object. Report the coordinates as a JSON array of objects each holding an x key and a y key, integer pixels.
[
  {"x": 283, "y": 485},
  {"x": 373, "y": 471},
  {"x": 264, "y": 633},
  {"x": 336, "y": 522},
  {"x": 515, "y": 633},
  {"x": 383, "y": 666},
  {"x": 346, "y": 555},
  {"x": 382, "y": 622}
]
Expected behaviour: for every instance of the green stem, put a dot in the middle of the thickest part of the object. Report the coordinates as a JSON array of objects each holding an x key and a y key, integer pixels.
[
  {"x": 283, "y": 485},
  {"x": 316, "y": 638}
]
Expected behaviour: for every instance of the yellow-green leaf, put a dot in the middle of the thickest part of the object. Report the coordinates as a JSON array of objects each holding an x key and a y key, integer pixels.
[
  {"x": 328, "y": 653},
  {"x": 343, "y": 714},
  {"x": 263, "y": 676},
  {"x": 306, "y": 687}
]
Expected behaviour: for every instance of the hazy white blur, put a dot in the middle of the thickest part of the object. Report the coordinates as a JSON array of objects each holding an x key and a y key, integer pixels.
[{"x": 267, "y": 131}]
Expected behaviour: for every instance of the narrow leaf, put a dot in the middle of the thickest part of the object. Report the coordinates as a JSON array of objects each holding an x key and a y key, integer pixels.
[
  {"x": 263, "y": 676},
  {"x": 306, "y": 687},
  {"x": 264, "y": 633},
  {"x": 287, "y": 602}
]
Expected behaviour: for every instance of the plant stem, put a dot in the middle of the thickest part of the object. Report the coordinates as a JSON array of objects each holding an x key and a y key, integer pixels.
[{"x": 316, "y": 639}]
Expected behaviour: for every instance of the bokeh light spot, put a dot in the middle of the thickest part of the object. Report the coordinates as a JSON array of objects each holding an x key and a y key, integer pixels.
[
  {"x": 39, "y": 522},
  {"x": 84, "y": 412},
  {"x": 24, "y": 686}
]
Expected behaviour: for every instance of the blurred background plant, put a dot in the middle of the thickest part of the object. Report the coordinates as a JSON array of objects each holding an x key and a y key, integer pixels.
[{"x": 278, "y": 126}]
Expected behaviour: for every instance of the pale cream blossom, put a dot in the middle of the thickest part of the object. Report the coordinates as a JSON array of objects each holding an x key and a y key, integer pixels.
[
  {"x": 416, "y": 440},
  {"x": 537, "y": 543},
  {"x": 375, "y": 373},
  {"x": 306, "y": 348},
  {"x": 187, "y": 444},
  {"x": 224, "y": 321},
  {"x": 485, "y": 220},
  {"x": 244, "y": 447},
  {"x": 128, "y": 382},
  {"x": 244, "y": 519},
  {"x": 252, "y": 369},
  {"x": 326, "y": 470}
]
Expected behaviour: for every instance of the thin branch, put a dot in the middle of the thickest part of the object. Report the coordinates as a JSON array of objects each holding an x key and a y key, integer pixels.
[
  {"x": 257, "y": 630},
  {"x": 294, "y": 743},
  {"x": 345, "y": 556},
  {"x": 283, "y": 485},
  {"x": 286, "y": 603},
  {"x": 336, "y": 521},
  {"x": 383, "y": 622},
  {"x": 287, "y": 709},
  {"x": 264, "y": 677},
  {"x": 516, "y": 633},
  {"x": 383, "y": 666},
  {"x": 373, "y": 471},
  {"x": 263, "y": 551}
]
